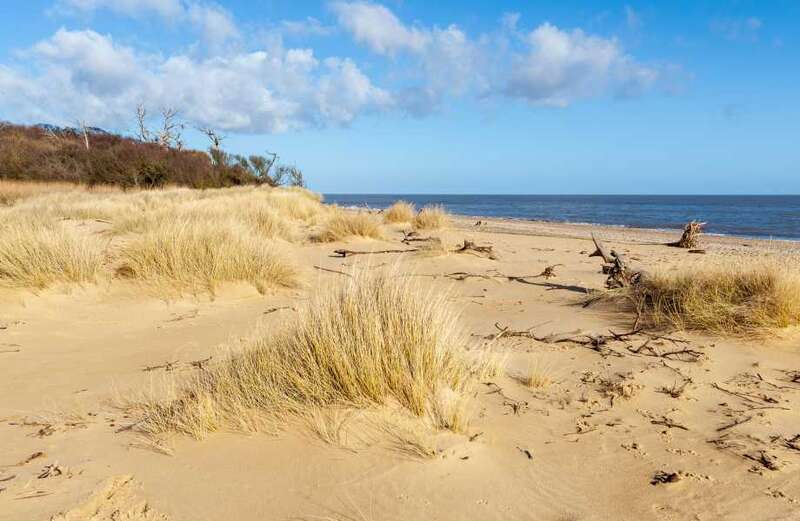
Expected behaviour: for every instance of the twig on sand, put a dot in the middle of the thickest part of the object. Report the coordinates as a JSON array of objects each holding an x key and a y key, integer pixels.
[
  {"x": 737, "y": 421},
  {"x": 516, "y": 406},
  {"x": 201, "y": 364},
  {"x": 463, "y": 275},
  {"x": 350, "y": 253},
  {"x": 278, "y": 308},
  {"x": 168, "y": 366},
  {"x": 332, "y": 271},
  {"x": 749, "y": 398},
  {"x": 668, "y": 423},
  {"x": 412, "y": 236},
  {"x": 681, "y": 355}
]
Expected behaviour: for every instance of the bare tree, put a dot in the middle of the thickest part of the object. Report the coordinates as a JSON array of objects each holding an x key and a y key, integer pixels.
[
  {"x": 141, "y": 120},
  {"x": 170, "y": 133},
  {"x": 261, "y": 166},
  {"x": 216, "y": 139},
  {"x": 85, "y": 132}
]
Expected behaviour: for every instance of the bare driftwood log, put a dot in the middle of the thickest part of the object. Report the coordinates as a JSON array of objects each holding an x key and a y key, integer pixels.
[
  {"x": 620, "y": 273},
  {"x": 471, "y": 247},
  {"x": 349, "y": 253},
  {"x": 691, "y": 236}
]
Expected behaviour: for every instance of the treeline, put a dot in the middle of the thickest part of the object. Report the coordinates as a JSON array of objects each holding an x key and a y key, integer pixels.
[{"x": 92, "y": 156}]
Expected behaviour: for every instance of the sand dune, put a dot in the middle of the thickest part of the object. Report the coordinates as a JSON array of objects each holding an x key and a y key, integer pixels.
[{"x": 680, "y": 425}]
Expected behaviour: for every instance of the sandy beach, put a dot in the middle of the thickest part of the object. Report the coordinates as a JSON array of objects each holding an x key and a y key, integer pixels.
[{"x": 689, "y": 426}]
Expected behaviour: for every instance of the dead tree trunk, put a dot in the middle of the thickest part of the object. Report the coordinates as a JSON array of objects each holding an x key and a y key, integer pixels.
[
  {"x": 691, "y": 236},
  {"x": 620, "y": 273}
]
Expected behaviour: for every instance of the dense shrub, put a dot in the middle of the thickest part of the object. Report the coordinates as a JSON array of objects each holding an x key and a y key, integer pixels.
[{"x": 47, "y": 154}]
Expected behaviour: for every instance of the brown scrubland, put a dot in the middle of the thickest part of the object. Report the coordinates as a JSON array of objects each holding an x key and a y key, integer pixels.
[{"x": 250, "y": 352}]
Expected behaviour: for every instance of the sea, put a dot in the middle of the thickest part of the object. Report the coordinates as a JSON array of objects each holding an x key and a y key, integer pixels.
[{"x": 756, "y": 216}]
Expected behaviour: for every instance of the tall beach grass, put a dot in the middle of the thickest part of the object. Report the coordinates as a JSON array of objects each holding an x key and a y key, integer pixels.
[
  {"x": 373, "y": 340},
  {"x": 734, "y": 298}
]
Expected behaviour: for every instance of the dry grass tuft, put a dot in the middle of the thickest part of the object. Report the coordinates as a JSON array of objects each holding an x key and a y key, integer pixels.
[
  {"x": 538, "y": 376},
  {"x": 431, "y": 218},
  {"x": 400, "y": 212},
  {"x": 728, "y": 299},
  {"x": 374, "y": 340},
  {"x": 348, "y": 224},
  {"x": 191, "y": 254},
  {"x": 38, "y": 254}
]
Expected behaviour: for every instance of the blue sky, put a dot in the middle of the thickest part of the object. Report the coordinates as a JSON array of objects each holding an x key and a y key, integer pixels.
[{"x": 445, "y": 97}]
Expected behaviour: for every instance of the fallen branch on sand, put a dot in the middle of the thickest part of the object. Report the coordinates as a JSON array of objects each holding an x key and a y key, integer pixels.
[
  {"x": 754, "y": 399},
  {"x": 201, "y": 364},
  {"x": 332, "y": 271},
  {"x": 412, "y": 236},
  {"x": 168, "y": 366},
  {"x": 463, "y": 275},
  {"x": 681, "y": 355},
  {"x": 620, "y": 274},
  {"x": 350, "y": 253},
  {"x": 471, "y": 247},
  {"x": 668, "y": 423},
  {"x": 734, "y": 423}
]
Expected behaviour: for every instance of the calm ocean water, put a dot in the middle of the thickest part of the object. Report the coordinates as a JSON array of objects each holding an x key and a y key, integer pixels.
[{"x": 775, "y": 217}]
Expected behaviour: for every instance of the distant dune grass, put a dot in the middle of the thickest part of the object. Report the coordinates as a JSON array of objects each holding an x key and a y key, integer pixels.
[
  {"x": 734, "y": 298},
  {"x": 171, "y": 238},
  {"x": 431, "y": 218},
  {"x": 37, "y": 254},
  {"x": 373, "y": 340},
  {"x": 12, "y": 191},
  {"x": 400, "y": 212},
  {"x": 197, "y": 253},
  {"x": 342, "y": 224}
]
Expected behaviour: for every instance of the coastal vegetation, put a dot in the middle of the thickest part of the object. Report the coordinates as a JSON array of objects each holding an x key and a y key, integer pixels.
[
  {"x": 431, "y": 218},
  {"x": 400, "y": 212},
  {"x": 734, "y": 298},
  {"x": 151, "y": 159},
  {"x": 373, "y": 340}
]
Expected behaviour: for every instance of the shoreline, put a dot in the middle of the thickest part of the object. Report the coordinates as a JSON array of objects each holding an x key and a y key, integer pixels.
[
  {"x": 666, "y": 231},
  {"x": 624, "y": 234}
]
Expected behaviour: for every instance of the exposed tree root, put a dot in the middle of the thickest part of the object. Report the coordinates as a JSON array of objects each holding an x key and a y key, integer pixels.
[{"x": 691, "y": 236}]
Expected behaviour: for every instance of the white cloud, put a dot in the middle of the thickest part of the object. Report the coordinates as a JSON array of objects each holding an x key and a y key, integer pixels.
[
  {"x": 559, "y": 67},
  {"x": 310, "y": 26},
  {"x": 165, "y": 8},
  {"x": 379, "y": 28},
  {"x": 82, "y": 74},
  {"x": 216, "y": 25},
  {"x": 544, "y": 66}
]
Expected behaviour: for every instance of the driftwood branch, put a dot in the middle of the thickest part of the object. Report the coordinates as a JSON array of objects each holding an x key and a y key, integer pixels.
[
  {"x": 616, "y": 266},
  {"x": 471, "y": 247},
  {"x": 350, "y": 253}
]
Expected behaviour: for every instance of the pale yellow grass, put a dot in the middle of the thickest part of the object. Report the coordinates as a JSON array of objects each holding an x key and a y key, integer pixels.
[
  {"x": 538, "y": 375},
  {"x": 431, "y": 218},
  {"x": 12, "y": 191},
  {"x": 399, "y": 212},
  {"x": 195, "y": 254},
  {"x": 732, "y": 298},
  {"x": 342, "y": 224},
  {"x": 37, "y": 254},
  {"x": 373, "y": 340}
]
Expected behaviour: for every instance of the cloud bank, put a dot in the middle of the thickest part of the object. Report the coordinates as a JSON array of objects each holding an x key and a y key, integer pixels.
[{"x": 236, "y": 86}]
